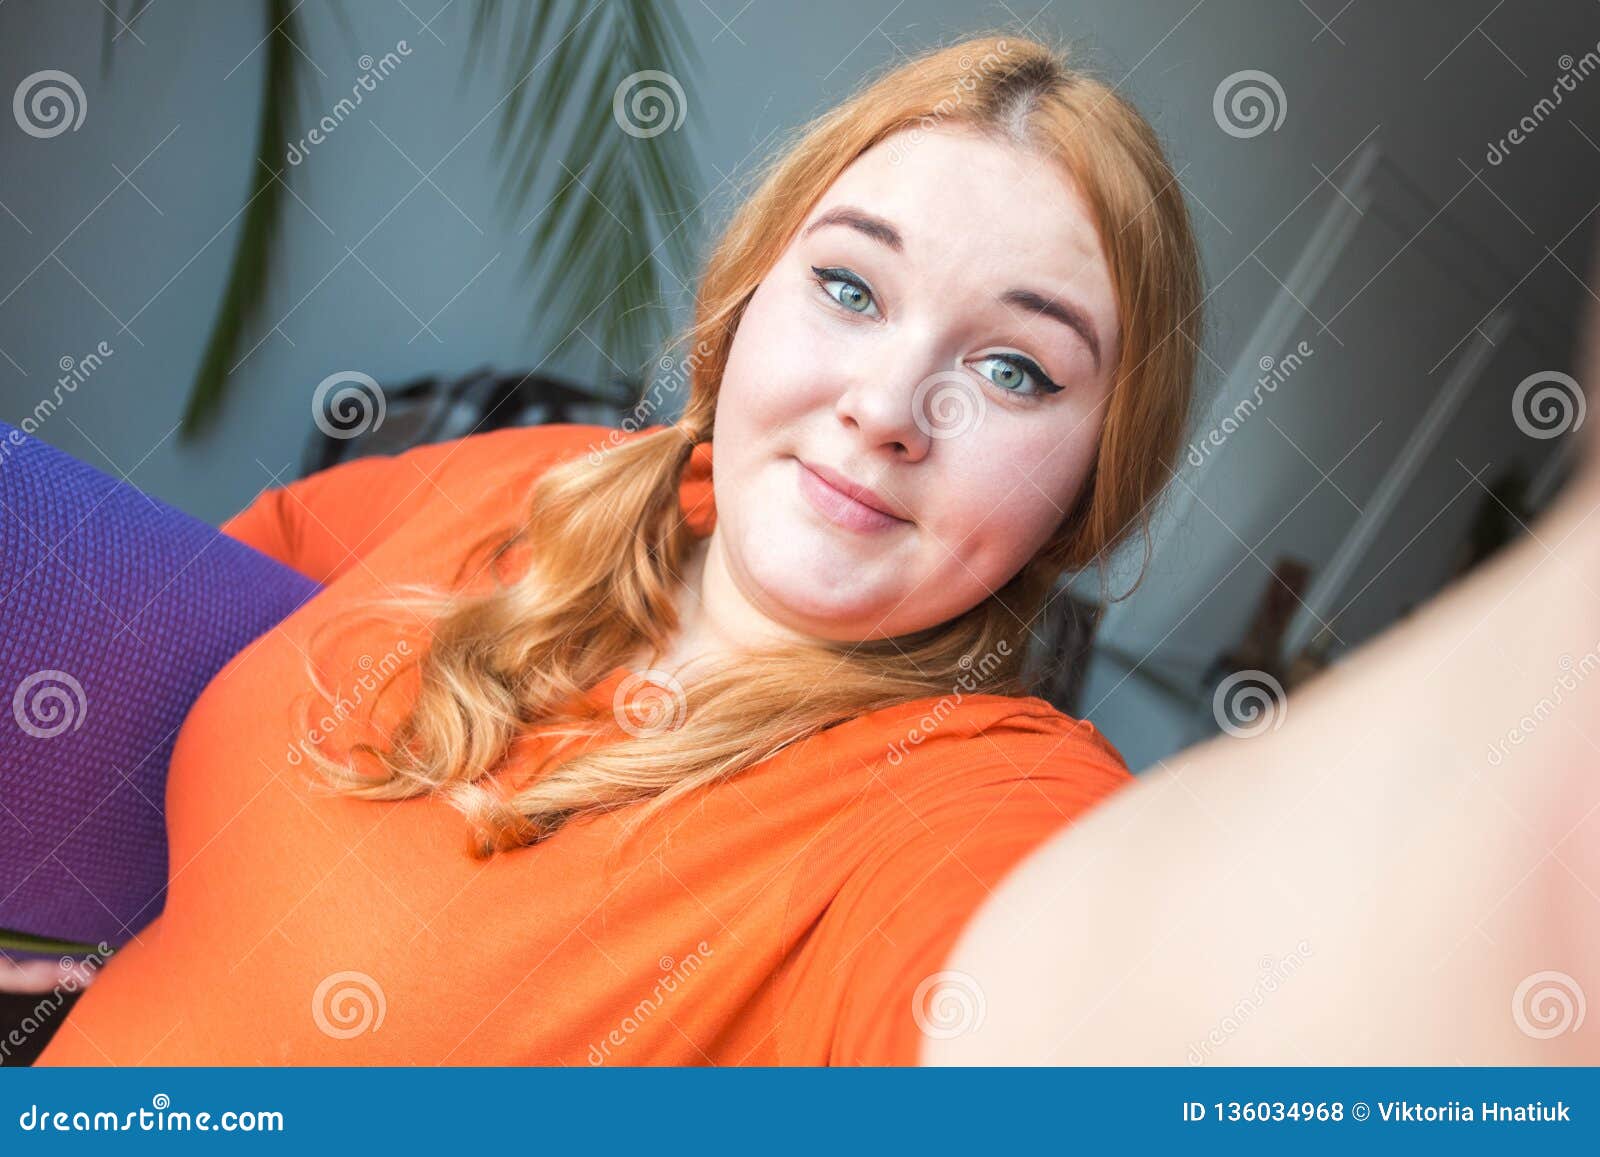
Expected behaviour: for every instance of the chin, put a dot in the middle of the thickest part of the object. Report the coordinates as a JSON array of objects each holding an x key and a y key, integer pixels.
[
  {"x": 817, "y": 603},
  {"x": 804, "y": 592}
]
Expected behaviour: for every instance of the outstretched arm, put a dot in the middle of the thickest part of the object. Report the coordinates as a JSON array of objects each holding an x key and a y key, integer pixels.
[{"x": 1366, "y": 884}]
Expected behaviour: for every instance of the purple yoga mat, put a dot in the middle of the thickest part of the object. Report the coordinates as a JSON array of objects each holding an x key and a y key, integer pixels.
[{"x": 115, "y": 611}]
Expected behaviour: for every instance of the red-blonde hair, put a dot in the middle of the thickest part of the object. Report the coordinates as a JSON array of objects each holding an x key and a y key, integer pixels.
[{"x": 611, "y": 538}]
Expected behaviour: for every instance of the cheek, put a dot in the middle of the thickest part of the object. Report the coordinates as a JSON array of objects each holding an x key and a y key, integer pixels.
[
  {"x": 1005, "y": 500},
  {"x": 778, "y": 365}
]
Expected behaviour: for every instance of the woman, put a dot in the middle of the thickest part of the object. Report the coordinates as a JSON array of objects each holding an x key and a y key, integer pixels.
[{"x": 748, "y": 767}]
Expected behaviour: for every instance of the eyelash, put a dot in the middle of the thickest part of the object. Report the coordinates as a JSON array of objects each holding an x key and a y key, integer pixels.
[{"x": 823, "y": 275}]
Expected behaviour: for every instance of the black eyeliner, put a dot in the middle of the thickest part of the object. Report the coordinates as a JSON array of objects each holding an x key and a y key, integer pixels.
[
  {"x": 1028, "y": 365},
  {"x": 1047, "y": 388},
  {"x": 833, "y": 273}
]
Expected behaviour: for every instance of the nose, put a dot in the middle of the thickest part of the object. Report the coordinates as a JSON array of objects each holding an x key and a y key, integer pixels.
[{"x": 880, "y": 402}]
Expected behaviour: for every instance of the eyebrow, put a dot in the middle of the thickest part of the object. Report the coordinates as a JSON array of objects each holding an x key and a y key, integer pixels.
[
  {"x": 884, "y": 233},
  {"x": 863, "y": 222},
  {"x": 1064, "y": 312}
]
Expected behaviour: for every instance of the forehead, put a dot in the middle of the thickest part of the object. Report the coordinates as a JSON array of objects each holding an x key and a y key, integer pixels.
[{"x": 963, "y": 198}]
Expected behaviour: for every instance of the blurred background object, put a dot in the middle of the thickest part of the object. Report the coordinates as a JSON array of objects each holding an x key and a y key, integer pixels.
[{"x": 434, "y": 409}]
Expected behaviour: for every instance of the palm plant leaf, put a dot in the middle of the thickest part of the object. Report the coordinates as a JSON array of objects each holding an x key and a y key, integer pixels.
[
  {"x": 613, "y": 219},
  {"x": 249, "y": 270},
  {"x": 618, "y": 203},
  {"x": 263, "y": 214},
  {"x": 115, "y": 23},
  {"x": 24, "y": 942}
]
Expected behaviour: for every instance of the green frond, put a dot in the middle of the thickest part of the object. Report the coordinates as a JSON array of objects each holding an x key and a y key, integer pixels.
[
  {"x": 614, "y": 234},
  {"x": 23, "y": 942},
  {"x": 263, "y": 214},
  {"x": 617, "y": 228}
]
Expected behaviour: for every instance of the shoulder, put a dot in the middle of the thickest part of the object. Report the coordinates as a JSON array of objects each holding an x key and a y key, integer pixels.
[
  {"x": 995, "y": 771},
  {"x": 511, "y": 453},
  {"x": 960, "y": 792},
  {"x": 956, "y": 742},
  {"x": 325, "y": 522},
  {"x": 478, "y": 475}
]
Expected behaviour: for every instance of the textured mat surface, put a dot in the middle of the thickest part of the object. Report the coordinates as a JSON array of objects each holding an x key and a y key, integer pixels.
[{"x": 115, "y": 611}]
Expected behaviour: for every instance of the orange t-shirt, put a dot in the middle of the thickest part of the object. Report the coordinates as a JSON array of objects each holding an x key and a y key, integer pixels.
[{"x": 796, "y": 914}]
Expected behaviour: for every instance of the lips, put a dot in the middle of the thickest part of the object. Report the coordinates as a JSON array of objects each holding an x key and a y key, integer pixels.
[{"x": 845, "y": 503}]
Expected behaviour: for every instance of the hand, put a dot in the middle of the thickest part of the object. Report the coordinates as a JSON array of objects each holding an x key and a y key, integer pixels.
[{"x": 35, "y": 977}]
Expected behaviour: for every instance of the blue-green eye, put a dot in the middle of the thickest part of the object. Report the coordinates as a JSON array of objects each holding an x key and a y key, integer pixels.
[
  {"x": 854, "y": 294},
  {"x": 1015, "y": 370}
]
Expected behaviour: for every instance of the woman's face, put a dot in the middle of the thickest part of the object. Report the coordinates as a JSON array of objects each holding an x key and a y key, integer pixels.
[{"x": 942, "y": 332}]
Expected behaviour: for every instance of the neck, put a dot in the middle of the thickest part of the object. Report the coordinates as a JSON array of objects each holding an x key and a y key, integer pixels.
[{"x": 715, "y": 619}]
